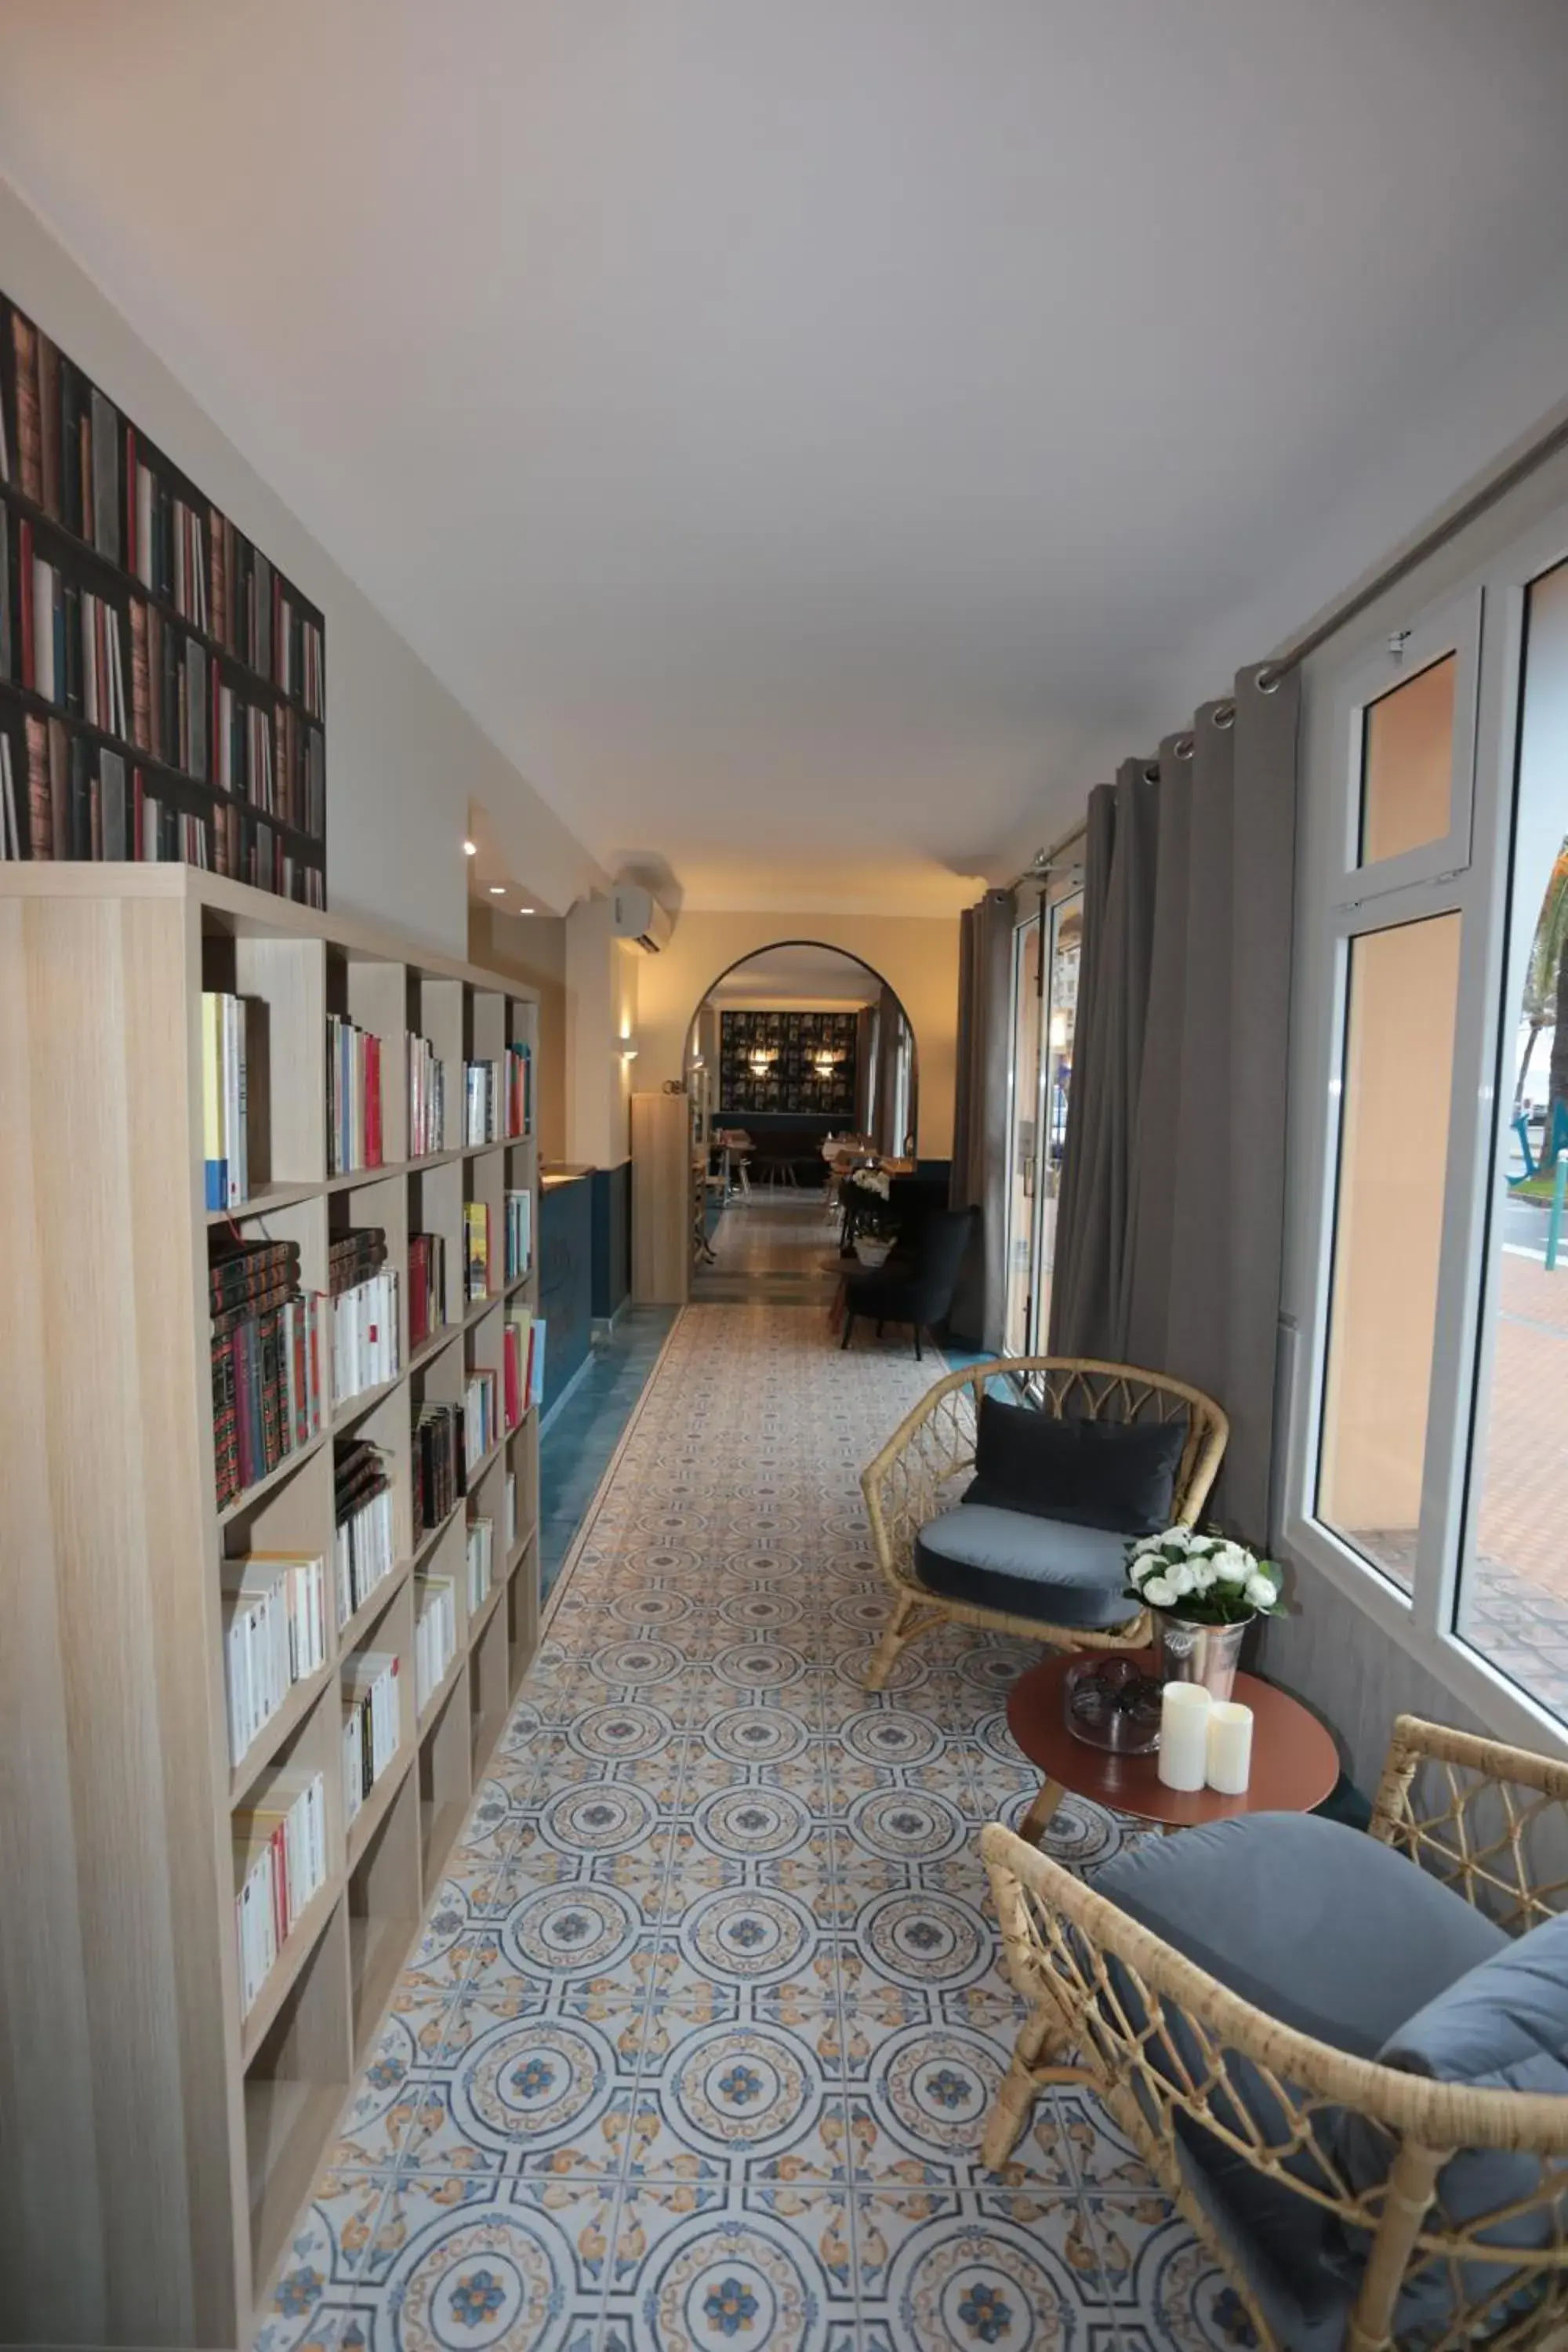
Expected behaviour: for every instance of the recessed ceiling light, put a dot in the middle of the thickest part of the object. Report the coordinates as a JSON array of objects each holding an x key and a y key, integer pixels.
[
  {"x": 498, "y": 889},
  {"x": 525, "y": 910},
  {"x": 470, "y": 848}
]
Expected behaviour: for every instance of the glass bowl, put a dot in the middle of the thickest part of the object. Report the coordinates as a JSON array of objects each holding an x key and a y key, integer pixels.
[{"x": 1112, "y": 1703}]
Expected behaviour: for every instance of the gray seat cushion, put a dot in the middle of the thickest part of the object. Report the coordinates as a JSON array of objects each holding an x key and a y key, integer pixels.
[
  {"x": 1318, "y": 1925},
  {"x": 1046, "y": 1570},
  {"x": 1502, "y": 2026},
  {"x": 1333, "y": 1934}
]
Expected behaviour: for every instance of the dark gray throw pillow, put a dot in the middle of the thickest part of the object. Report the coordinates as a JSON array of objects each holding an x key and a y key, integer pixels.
[{"x": 1094, "y": 1474}]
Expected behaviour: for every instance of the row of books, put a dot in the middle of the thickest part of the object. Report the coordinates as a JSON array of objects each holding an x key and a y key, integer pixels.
[
  {"x": 519, "y": 1239},
  {"x": 68, "y": 798},
  {"x": 439, "y": 1465},
  {"x": 268, "y": 1375},
  {"x": 371, "y": 1725},
  {"x": 281, "y": 1862},
  {"x": 225, "y": 1101},
  {"x": 498, "y": 1097},
  {"x": 523, "y": 1364},
  {"x": 354, "y": 1097},
  {"x": 363, "y": 1543},
  {"x": 84, "y": 464},
  {"x": 250, "y": 850},
  {"x": 274, "y": 1635},
  {"x": 363, "y": 1290},
  {"x": 61, "y": 641},
  {"x": 480, "y": 1430},
  {"x": 426, "y": 1097},
  {"x": 480, "y": 1562},
  {"x": 435, "y": 1634},
  {"x": 476, "y": 1251},
  {"x": 426, "y": 1287},
  {"x": 66, "y": 643}
]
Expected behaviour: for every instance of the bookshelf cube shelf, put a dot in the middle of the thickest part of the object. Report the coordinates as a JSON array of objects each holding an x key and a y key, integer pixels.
[{"x": 123, "y": 1966}]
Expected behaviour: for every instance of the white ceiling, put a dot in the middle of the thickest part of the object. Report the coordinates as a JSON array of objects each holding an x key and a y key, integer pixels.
[
  {"x": 810, "y": 975},
  {"x": 814, "y": 438}
]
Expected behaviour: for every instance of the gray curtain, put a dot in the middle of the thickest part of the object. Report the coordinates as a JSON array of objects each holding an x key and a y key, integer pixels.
[
  {"x": 979, "y": 1176},
  {"x": 1171, "y": 1219}
]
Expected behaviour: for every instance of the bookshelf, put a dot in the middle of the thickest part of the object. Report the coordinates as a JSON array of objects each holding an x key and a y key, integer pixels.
[
  {"x": 159, "y": 2142},
  {"x": 162, "y": 686}
]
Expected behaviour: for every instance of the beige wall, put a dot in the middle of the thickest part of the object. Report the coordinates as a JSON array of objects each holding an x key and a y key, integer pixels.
[
  {"x": 533, "y": 948},
  {"x": 602, "y": 977},
  {"x": 917, "y": 955}
]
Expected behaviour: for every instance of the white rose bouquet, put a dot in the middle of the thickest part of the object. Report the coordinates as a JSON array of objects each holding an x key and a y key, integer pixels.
[{"x": 1206, "y": 1578}]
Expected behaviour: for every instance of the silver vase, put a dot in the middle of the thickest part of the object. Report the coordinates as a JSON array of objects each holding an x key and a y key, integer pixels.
[{"x": 1191, "y": 1652}]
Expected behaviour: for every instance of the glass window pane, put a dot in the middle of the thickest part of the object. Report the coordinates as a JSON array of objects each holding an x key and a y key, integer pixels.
[
  {"x": 1407, "y": 761},
  {"x": 1403, "y": 992},
  {"x": 1513, "y": 1601},
  {"x": 1066, "y": 940},
  {"x": 1023, "y": 1152}
]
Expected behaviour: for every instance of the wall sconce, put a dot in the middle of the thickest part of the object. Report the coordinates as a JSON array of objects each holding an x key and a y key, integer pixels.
[{"x": 626, "y": 1047}]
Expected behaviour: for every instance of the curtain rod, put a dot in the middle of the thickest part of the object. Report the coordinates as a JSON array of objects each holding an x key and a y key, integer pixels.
[
  {"x": 1467, "y": 508},
  {"x": 1470, "y": 505},
  {"x": 1040, "y": 864}
]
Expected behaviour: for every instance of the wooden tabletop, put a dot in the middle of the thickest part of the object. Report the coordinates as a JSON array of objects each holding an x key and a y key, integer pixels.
[{"x": 1295, "y": 1763}]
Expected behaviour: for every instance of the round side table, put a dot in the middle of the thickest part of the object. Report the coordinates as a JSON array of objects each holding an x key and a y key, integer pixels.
[{"x": 1295, "y": 1764}]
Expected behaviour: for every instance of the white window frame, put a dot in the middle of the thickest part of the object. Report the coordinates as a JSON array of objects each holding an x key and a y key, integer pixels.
[
  {"x": 1483, "y": 623},
  {"x": 1452, "y": 627}
]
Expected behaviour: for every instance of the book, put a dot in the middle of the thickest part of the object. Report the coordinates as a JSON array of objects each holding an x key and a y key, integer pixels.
[
  {"x": 439, "y": 1463},
  {"x": 426, "y": 1097},
  {"x": 365, "y": 1315},
  {"x": 279, "y": 1842},
  {"x": 274, "y": 1635},
  {"x": 480, "y": 1431},
  {"x": 519, "y": 1236},
  {"x": 354, "y": 1098},
  {"x": 426, "y": 1287},
  {"x": 481, "y": 1561},
  {"x": 372, "y": 1727},
  {"x": 476, "y": 1250},
  {"x": 364, "y": 1545},
  {"x": 225, "y": 1104},
  {"x": 435, "y": 1634}
]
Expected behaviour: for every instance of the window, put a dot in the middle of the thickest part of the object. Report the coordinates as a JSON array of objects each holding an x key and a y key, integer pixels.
[
  {"x": 1427, "y": 1470},
  {"x": 1402, "y": 998},
  {"x": 1045, "y": 1014},
  {"x": 1513, "y": 1594}
]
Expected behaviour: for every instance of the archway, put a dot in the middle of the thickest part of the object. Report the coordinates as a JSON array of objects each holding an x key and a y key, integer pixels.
[{"x": 798, "y": 1039}]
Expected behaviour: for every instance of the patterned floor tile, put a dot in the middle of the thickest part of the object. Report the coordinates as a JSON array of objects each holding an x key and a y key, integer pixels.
[{"x": 702, "y": 2027}]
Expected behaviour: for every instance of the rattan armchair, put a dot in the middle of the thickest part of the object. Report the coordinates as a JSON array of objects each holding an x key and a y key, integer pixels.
[
  {"x": 1165, "y": 2046},
  {"x": 935, "y": 1444}
]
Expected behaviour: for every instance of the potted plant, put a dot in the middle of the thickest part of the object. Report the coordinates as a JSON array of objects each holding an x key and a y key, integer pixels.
[
  {"x": 869, "y": 1213},
  {"x": 1203, "y": 1592}
]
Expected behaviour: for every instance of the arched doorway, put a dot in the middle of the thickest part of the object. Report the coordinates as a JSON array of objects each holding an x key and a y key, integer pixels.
[{"x": 797, "y": 1041}]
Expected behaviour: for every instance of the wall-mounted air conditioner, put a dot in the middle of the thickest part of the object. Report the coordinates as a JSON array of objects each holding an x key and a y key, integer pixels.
[{"x": 637, "y": 915}]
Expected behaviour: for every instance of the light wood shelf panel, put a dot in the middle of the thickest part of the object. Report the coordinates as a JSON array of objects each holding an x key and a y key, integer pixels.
[{"x": 122, "y": 1962}]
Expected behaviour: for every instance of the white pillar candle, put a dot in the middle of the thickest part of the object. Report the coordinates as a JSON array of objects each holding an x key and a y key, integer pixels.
[
  {"x": 1185, "y": 1734},
  {"x": 1230, "y": 1747}
]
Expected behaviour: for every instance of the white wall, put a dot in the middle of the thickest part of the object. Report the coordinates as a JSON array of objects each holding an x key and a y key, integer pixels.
[
  {"x": 402, "y": 758},
  {"x": 602, "y": 981}
]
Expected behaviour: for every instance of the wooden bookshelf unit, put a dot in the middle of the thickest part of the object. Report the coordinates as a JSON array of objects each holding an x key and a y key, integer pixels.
[{"x": 156, "y": 2142}]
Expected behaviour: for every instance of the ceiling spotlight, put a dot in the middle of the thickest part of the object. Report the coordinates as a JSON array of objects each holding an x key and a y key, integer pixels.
[
  {"x": 498, "y": 889},
  {"x": 470, "y": 848}
]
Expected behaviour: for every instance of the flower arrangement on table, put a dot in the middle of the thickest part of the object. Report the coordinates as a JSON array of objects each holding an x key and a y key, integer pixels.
[
  {"x": 869, "y": 1198},
  {"x": 1206, "y": 1579}
]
